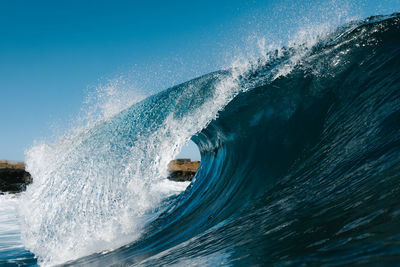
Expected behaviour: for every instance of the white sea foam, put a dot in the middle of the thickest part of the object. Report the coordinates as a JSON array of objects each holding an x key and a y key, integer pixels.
[{"x": 10, "y": 239}]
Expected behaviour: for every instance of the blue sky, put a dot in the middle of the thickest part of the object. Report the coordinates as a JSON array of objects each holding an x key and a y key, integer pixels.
[{"x": 52, "y": 53}]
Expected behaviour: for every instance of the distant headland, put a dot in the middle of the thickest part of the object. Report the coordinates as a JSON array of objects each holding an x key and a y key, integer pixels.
[
  {"x": 14, "y": 178},
  {"x": 181, "y": 170}
]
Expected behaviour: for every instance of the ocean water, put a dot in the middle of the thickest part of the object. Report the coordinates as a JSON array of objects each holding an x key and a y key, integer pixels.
[
  {"x": 300, "y": 165},
  {"x": 12, "y": 251}
]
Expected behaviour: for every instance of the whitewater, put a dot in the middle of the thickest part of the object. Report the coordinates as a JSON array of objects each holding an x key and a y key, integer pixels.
[{"x": 300, "y": 156}]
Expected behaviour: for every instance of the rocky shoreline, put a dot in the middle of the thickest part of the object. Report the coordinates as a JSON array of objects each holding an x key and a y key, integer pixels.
[
  {"x": 181, "y": 170},
  {"x": 14, "y": 178}
]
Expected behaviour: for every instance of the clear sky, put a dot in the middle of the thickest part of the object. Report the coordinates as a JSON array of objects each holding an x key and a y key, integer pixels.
[{"x": 53, "y": 53}]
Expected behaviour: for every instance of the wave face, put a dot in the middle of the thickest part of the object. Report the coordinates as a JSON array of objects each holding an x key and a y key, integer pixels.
[{"x": 300, "y": 164}]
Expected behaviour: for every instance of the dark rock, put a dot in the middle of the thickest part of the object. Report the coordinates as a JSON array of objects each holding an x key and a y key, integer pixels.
[
  {"x": 181, "y": 176},
  {"x": 13, "y": 177}
]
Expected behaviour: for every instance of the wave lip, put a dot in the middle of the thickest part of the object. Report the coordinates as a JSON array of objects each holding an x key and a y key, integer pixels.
[{"x": 300, "y": 154}]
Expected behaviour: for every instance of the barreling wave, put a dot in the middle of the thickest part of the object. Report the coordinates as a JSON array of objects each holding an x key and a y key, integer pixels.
[{"x": 300, "y": 164}]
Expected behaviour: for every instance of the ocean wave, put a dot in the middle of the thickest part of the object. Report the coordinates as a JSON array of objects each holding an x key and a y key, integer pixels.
[{"x": 300, "y": 164}]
